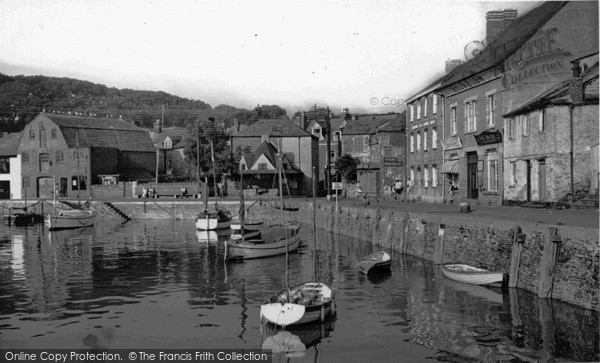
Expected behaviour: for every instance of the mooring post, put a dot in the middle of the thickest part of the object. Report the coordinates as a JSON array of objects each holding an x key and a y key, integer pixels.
[
  {"x": 551, "y": 245},
  {"x": 438, "y": 253},
  {"x": 403, "y": 242},
  {"x": 515, "y": 258}
]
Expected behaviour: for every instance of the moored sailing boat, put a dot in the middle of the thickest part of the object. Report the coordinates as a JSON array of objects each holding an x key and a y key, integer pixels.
[
  {"x": 304, "y": 303},
  {"x": 71, "y": 218}
]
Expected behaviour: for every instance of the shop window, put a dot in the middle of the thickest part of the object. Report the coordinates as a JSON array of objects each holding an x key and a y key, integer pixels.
[
  {"x": 492, "y": 166},
  {"x": 82, "y": 185}
]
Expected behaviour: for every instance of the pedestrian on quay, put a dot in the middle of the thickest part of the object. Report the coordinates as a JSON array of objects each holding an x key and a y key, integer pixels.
[
  {"x": 453, "y": 188},
  {"x": 398, "y": 188}
]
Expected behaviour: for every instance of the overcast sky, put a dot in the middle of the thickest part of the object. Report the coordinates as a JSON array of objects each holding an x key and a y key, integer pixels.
[{"x": 338, "y": 53}]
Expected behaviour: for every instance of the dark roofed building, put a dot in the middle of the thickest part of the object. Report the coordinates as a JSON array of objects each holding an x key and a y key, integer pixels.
[
  {"x": 170, "y": 143},
  {"x": 76, "y": 150}
]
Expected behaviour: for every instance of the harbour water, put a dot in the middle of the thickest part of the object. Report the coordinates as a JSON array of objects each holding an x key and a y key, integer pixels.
[{"x": 161, "y": 284}]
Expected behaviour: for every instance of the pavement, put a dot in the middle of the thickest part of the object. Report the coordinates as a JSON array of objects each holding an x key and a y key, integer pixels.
[{"x": 569, "y": 217}]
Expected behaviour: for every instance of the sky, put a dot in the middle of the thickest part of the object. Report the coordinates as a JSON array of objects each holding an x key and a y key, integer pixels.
[{"x": 366, "y": 55}]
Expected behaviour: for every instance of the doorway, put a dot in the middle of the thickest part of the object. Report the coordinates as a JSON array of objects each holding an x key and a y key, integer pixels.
[
  {"x": 542, "y": 179},
  {"x": 44, "y": 187},
  {"x": 528, "y": 180},
  {"x": 64, "y": 184},
  {"x": 472, "y": 189}
]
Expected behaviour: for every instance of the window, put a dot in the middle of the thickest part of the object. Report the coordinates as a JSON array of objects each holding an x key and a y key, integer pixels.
[
  {"x": 471, "y": 116},
  {"x": 25, "y": 157},
  {"x": 337, "y": 135},
  {"x": 418, "y": 141},
  {"x": 82, "y": 182},
  {"x": 492, "y": 175},
  {"x": 262, "y": 166},
  {"x": 426, "y": 179},
  {"x": 525, "y": 122},
  {"x": 26, "y": 182},
  {"x": 168, "y": 143},
  {"x": 542, "y": 117},
  {"x": 53, "y": 134},
  {"x": 412, "y": 175},
  {"x": 31, "y": 134},
  {"x": 435, "y": 100},
  {"x": 510, "y": 123},
  {"x": 434, "y": 138},
  {"x": 425, "y": 107},
  {"x": 317, "y": 132},
  {"x": 434, "y": 176},
  {"x": 418, "y": 109},
  {"x": 169, "y": 163},
  {"x": 412, "y": 143},
  {"x": 425, "y": 140},
  {"x": 453, "y": 120},
  {"x": 59, "y": 157},
  {"x": 412, "y": 113},
  {"x": 513, "y": 173},
  {"x": 332, "y": 156},
  {"x": 4, "y": 165},
  {"x": 44, "y": 162},
  {"x": 490, "y": 108}
]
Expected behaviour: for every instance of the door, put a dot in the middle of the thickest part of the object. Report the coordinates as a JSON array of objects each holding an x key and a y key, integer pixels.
[
  {"x": 542, "y": 179},
  {"x": 472, "y": 189},
  {"x": 64, "y": 185},
  {"x": 4, "y": 189},
  {"x": 528, "y": 180}
]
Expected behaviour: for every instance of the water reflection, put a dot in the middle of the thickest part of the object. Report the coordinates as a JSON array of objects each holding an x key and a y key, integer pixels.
[{"x": 157, "y": 284}]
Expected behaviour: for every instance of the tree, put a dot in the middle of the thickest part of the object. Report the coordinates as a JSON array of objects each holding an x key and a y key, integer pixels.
[
  {"x": 203, "y": 133},
  {"x": 346, "y": 166}
]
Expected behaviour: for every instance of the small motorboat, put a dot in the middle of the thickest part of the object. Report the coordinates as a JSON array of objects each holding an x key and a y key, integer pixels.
[
  {"x": 71, "y": 218},
  {"x": 375, "y": 263},
  {"x": 471, "y": 274}
]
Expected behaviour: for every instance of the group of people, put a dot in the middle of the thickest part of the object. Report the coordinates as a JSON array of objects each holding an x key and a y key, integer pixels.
[{"x": 148, "y": 192}]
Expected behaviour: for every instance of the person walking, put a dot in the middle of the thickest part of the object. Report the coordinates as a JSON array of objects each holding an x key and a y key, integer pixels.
[{"x": 398, "y": 188}]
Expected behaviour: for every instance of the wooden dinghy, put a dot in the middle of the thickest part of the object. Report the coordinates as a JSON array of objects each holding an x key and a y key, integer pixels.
[
  {"x": 271, "y": 241},
  {"x": 471, "y": 274},
  {"x": 304, "y": 303},
  {"x": 375, "y": 263}
]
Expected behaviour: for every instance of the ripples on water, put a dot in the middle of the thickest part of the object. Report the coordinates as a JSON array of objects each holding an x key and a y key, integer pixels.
[{"x": 160, "y": 284}]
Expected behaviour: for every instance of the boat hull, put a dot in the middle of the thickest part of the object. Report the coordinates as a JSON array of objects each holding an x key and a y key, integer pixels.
[
  {"x": 313, "y": 310},
  {"x": 472, "y": 275},
  {"x": 273, "y": 242},
  {"x": 214, "y": 222},
  {"x": 69, "y": 219},
  {"x": 379, "y": 262}
]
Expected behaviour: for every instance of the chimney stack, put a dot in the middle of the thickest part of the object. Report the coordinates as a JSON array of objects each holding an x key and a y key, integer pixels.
[
  {"x": 497, "y": 21},
  {"x": 452, "y": 63}
]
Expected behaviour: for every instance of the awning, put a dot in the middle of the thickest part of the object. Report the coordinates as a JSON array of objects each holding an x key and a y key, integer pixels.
[{"x": 451, "y": 167}]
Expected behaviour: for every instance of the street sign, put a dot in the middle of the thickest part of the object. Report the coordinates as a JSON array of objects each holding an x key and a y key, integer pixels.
[{"x": 336, "y": 185}]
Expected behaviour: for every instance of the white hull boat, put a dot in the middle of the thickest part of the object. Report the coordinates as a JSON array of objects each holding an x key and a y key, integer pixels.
[
  {"x": 472, "y": 275},
  {"x": 74, "y": 218},
  {"x": 308, "y": 302},
  {"x": 214, "y": 220}
]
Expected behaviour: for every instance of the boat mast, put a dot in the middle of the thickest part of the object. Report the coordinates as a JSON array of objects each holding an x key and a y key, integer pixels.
[
  {"x": 78, "y": 176},
  {"x": 242, "y": 206},
  {"x": 314, "y": 204},
  {"x": 212, "y": 158},
  {"x": 287, "y": 245}
]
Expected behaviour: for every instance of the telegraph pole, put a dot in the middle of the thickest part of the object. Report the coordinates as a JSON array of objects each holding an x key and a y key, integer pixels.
[{"x": 328, "y": 165}]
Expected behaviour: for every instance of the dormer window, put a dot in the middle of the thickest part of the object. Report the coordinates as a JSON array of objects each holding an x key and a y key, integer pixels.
[
  {"x": 317, "y": 131},
  {"x": 168, "y": 143}
]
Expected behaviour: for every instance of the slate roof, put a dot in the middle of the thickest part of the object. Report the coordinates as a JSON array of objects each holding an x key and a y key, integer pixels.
[
  {"x": 177, "y": 135},
  {"x": 507, "y": 42},
  {"x": 396, "y": 125},
  {"x": 269, "y": 150},
  {"x": 560, "y": 93},
  {"x": 273, "y": 127},
  {"x": 368, "y": 124},
  {"x": 101, "y": 132},
  {"x": 9, "y": 144}
]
